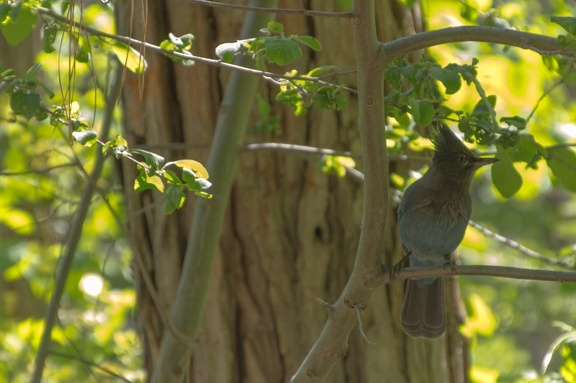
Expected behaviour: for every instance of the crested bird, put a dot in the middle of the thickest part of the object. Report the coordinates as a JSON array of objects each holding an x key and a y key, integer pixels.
[{"x": 432, "y": 219}]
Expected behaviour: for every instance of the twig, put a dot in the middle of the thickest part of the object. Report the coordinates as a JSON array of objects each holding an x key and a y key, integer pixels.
[
  {"x": 547, "y": 92},
  {"x": 304, "y": 12},
  {"x": 361, "y": 328}
]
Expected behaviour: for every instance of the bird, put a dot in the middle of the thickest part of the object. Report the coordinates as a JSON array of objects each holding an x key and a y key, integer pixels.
[{"x": 432, "y": 218}]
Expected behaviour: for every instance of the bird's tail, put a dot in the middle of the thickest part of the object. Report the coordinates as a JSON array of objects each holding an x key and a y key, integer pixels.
[{"x": 423, "y": 313}]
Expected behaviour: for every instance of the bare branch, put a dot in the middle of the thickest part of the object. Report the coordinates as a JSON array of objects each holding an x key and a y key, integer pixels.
[
  {"x": 92, "y": 365},
  {"x": 299, "y": 149},
  {"x": 517, "y": 246},
  {"x": 37, "y": 171},
  {"x": 302, "y": 12},
  {"x": 541, "y": 44},
  {"x": 484, "y": 270}
]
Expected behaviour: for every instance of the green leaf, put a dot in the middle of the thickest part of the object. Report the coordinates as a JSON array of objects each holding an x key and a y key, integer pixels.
[
  {"x": 482, "y": 108},
  {"x": 422, "y": 111},
  {"x": 562, "y": 162},
  {"x": 25, "y": 102},
  {"x": 85, "y": 137},
  {"x": 152, "y": 159},
  {"x": 282, "y": 51},
  {"x": 173, "y": 198},
  {"x": 568, "y": 23},
  {"x": 129, "y": 57},
  {"x": 145, "y": 182},
  {"x": 198, "y": 169},
  {"x": 4, "y": 11},
  {"x": 328, "y": 97},
  {"x": 506, "y": 178},
  {"x": 48, "y": 38},
  {"x": 448, "y": 76},
  {"x": 227, "y": 51},
  {"x": 19, "y": 25},
  {"x": 290, "y": 96},
  {"x": 172, "y": 177},
  {"x": 188, "y": 175},
  {"x": 321, "y": 70},
  {"x": 336, "y": 164},
  {"x": 310, "y": 42},
  {"x": 83, "y": 53},
  {"x": 517, "y": 121},
  {"x": 275, "y": 27}
]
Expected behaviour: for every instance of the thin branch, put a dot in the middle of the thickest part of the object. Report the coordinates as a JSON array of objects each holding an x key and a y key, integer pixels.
[
  {"x": 91, "y": 365},
  {"x": 313, "y": 150},
  {"x": 302, "y": 12},
  {"x": 547, "y": 92},
  {"x": 517, "y": 246},
  {"x": 484, "y": 270},
  {"x": 37, "y": 171},
  {"x": 541, "y": 44},
  {"x": 188, "y": 56},
  {"x": 302, "y": 149},
  {"x": 73, "y": 238}
]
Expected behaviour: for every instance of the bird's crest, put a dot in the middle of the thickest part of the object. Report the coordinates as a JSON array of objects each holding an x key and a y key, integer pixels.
[{"x": 445, "y": 141}]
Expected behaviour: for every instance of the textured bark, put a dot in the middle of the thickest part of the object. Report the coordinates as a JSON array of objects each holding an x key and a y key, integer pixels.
[{"x": 291, "y": 232}]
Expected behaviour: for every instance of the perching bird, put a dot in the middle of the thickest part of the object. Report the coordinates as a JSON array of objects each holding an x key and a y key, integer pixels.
[{"x": 432, "y": 219}]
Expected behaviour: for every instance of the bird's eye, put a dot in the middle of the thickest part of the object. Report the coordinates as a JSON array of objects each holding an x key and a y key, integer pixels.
[{"x": 462, "y": 159}]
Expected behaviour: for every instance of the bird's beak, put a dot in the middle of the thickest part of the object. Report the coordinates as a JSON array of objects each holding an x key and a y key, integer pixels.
[{"x": 479, "y": 162}]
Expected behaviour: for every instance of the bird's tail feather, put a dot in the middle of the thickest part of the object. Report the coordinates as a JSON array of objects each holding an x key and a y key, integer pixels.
[{"x": 423, "y": 313}]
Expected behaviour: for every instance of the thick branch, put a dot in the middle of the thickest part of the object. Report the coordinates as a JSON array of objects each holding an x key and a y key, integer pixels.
[
  {"x": 541, "y": 44},
  {"x": 208, "y": 216},
  {"x": 332, "y": 343}
]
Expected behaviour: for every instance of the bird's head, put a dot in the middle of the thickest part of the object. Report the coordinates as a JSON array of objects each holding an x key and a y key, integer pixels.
[{"x": 452, "y": 157}]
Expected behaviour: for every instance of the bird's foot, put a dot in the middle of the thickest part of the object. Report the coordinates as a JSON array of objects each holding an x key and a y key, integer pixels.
[
  {"x": 449, "y": 262},
  {"x": 395, "y": 270}
]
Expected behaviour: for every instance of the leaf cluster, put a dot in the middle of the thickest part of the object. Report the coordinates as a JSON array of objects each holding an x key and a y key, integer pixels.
[
  {"x": 275, "y": 47},
  {"x": 415, "y": 100},
  {"x": 301, "y": 94},
  {"x": 157, "y": 175}
]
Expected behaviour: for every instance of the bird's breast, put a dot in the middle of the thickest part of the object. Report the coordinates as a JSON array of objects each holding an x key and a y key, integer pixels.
[{"x": 432, "y": 227}]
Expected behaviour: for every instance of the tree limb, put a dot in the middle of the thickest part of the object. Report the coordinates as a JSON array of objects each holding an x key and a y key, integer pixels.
[
  {"x": 73, "y": 237},
  {"x": 208, "y": 215},
  {"x": 332, "y": 343},
  {"x": 541, "y": 44}
]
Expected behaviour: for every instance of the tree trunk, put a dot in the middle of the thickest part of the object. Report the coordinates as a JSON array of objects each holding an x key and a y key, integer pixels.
[{"x": 291, "y": 232}]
